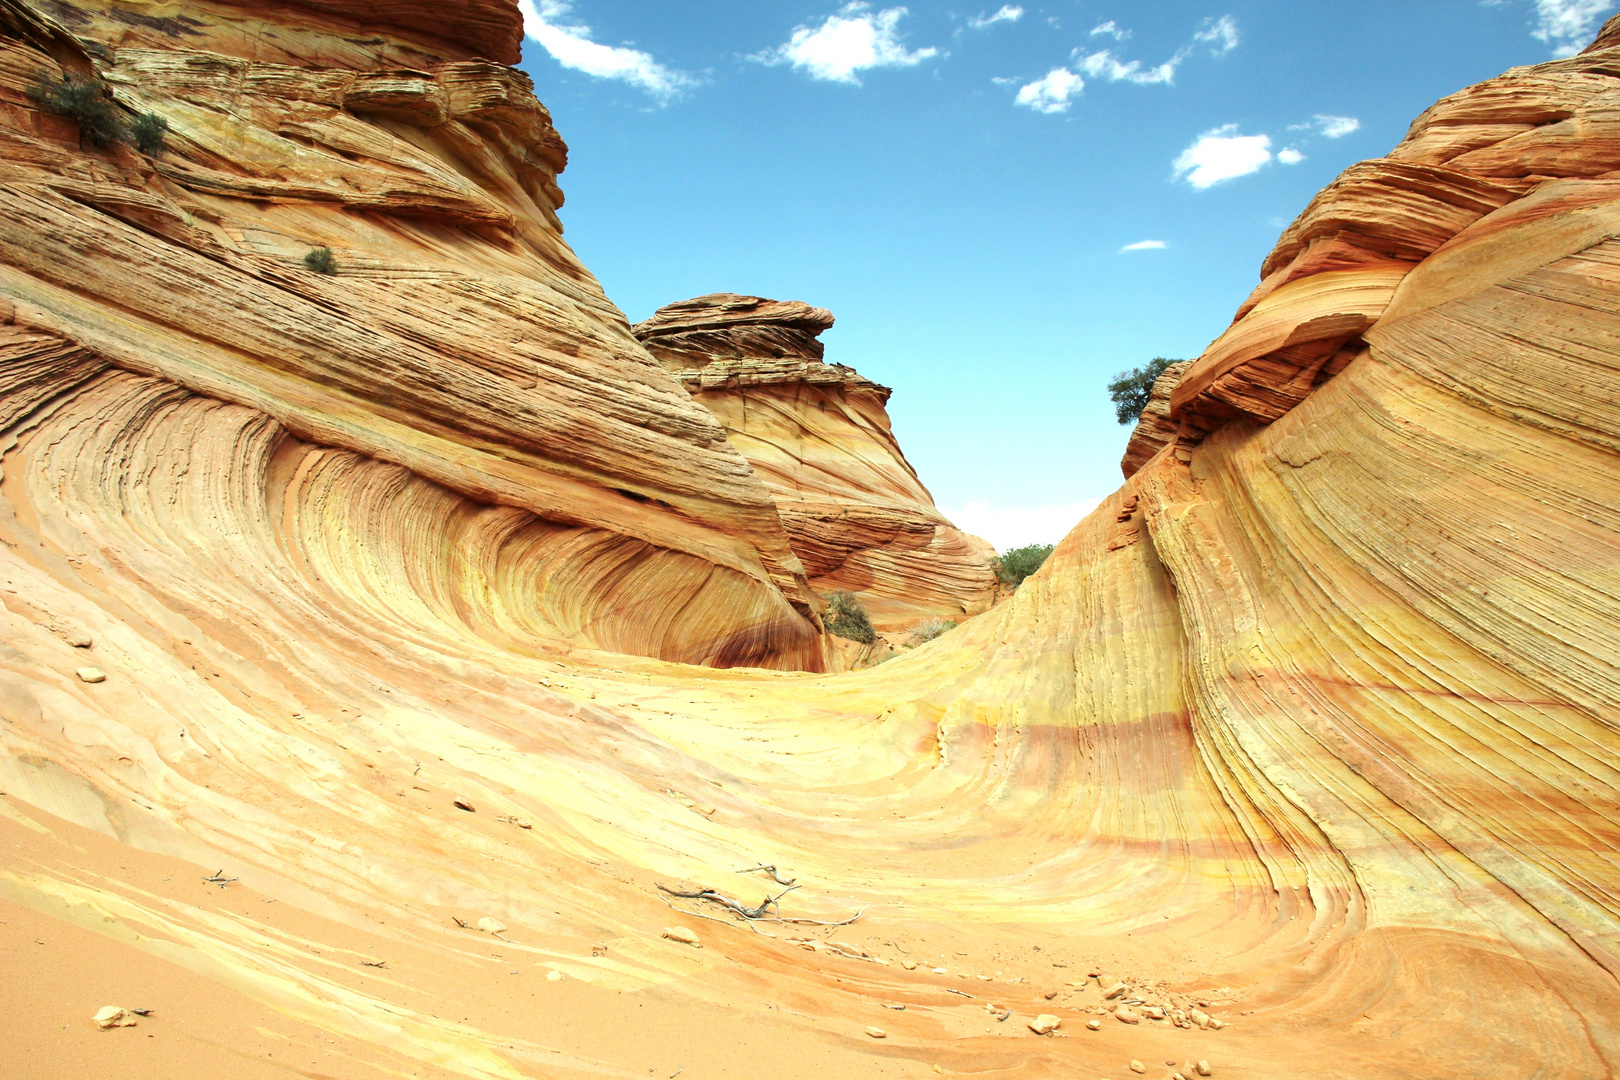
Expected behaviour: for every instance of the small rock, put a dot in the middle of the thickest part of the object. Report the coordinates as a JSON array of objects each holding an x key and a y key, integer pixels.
[
  {"x": 876, "y": 1032},
  {"x": 555, "y": 976},
  {"x": 463, "y": 804},
  {"x": 1050, "y": 994},
  {"x": 1216, "y": 1025},
  {"x": 682, "y": 935},
  {"x": 1155, "y": 1013},
  {"x": 522, "y": 824},
  {"x": 1177, "y": 1076},
  {"x": 111, "y": 1016},
  {"x": 909, "y": 965},
  {"x": 1137, "y": 1066},
  {"x": 1045, "y": 1024},
  {"x": 77, "y": 638},
  {"x": 1094, "y": 1025},
  {"x": 1203, "y": 1068},
  {"x": 1113, "y": 991},
  {"x": 939, "y": 971},
  {"x": 491, "y": 926},
  {"x": 1199, "y": 1017},
  {"x": 91, "y": 675},
  {"x": 1126, "y": 1015}
]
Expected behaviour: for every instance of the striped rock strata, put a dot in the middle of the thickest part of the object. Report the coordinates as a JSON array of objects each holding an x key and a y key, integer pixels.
[
  {"x": 818, "y": 435},
  {"x": 461, "y": 343},
  {"x": 1307, "y": 738}
]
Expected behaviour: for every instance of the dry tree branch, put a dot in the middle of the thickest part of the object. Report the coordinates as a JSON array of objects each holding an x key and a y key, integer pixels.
[{"x": 771, "y": 870}]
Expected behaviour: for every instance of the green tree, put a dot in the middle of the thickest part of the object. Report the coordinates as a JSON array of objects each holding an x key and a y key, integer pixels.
[
  {"x": 147, "y": 133},
  {"x": 1130, "y": 389},
  {"x": 85, "y": 100},
  {"x": 847, "y": 619},
  {"x": 1014, "y": 566}
]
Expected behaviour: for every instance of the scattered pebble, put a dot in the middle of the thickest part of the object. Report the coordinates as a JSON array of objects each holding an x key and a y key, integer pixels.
[
  {"x": 1137, "y": 1066},
  {"x": 491, "y": 926},
  {"x": 1113, "y": 991},
  {"x": 111, "y": 1016},
  {"x": 555, "y": 976},
  {"x": 1203, "y": 1068},
  {"x": 909, "y": 965},
  {"x": 77, "y": 638},
  {"x": 91, "y": 675},
  {"x": 1045, "y": 1024},
  {"x": 876, "y": 1032},
  {"x": 1094, "y": 1025},
  {"x": 682, "y": 935},
  {"x": 939, "y": 971},
  {"x": 463, "y": 804},
  {"x": 522, "y": 824},
  {"x": 1154, "y": 1012},
  {"x": 1199, "y": 1017},
  {"x": 1050, "y": 994},
  {"x": 1126, "y": 1015}
]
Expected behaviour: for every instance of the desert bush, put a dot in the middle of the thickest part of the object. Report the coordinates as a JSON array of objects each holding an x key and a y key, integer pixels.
[
  {"x": 929, "y": 629},
  {"x": 147, "y": 133},
  {"x": 846, "y": 618},
  {"x": 1014, "y": 566},
  {"x": 1131, "y": 389},
  {"x": 321, "y": 261},
  {"x": 85, "y": 100}
]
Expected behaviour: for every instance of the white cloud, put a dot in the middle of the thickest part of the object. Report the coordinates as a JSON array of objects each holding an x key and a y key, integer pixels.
[
  {"x": 1005, "y": 13},
  {"x": 1144, "y": 245},
  {"x": 1222, "y": 154},
  {"x": 854, "y": 40},
  {"x": 1003, "y": 80},
  {"x": 1103, "y": 65},
  {"x": 1568, "y": 25},
  {"x": 1112, "y": 29},
  {"x": 571, "y": 46},
  {"x": 1290, "y": 156},
  {"x": 1221, "y": 35},
  {"x": 1051, "y": 93},
  {"x": 1336, "y": 127},
  {"x": 1007, "y": 528}
]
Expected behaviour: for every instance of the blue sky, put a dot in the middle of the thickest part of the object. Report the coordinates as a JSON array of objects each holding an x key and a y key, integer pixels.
[{"x": 1003, "y": 205}]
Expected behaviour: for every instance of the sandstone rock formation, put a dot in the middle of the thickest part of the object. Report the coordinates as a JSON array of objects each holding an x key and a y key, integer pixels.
[
  {"x": 462, "y": 343},
  {"x": 1302, "y": 748},
  {"x": 818, "y": 435},
  {"x": 1154, "y": 429}
]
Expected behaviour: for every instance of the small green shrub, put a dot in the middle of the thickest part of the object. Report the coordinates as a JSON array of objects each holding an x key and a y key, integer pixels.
[
  {"x": 321, "y": 261},
  {"x": 1016, "y": 565},
  {"x": 147, "y": 133},
  {"x": 929, "y": 629},
  {"x": 85, "y": 100},
  {"x": 1131, "y": 389},
  {"x": 847, "y": 619}
]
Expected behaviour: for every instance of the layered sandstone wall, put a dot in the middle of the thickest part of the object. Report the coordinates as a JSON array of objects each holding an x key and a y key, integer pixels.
[
  {"x": 819, "y": 437},
  {"x": 461, "y": 338}
]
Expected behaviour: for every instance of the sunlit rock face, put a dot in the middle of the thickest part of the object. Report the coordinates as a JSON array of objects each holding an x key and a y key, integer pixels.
[
  {"x": 1306, "y": 737},
  {"x": 460, "y": 341},
  {"x": 1154, "y": 428},
  {"x": 818, "y": 435}
]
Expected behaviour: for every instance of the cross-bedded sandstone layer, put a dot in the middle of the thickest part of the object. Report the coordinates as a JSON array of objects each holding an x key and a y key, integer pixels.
[
  {"x": 819, "y": 436},
  {"x": 1306, "y": 740}
]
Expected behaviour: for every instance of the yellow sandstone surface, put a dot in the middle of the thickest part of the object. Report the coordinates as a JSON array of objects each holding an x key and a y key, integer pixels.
[
  {"x": 1300, "y": 755},
  {"x": 819, "y": 436}
]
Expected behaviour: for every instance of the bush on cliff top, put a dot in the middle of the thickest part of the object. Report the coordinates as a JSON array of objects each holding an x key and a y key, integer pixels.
[
  {"x": 847, "y": 619},
  {"x": 1130, "y": 389},
  {"x": 1014, "y": 566}
]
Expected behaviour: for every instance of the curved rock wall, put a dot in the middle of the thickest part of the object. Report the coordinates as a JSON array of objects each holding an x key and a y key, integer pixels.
[
  {"x": 460, "y": 338},
  {"x": 818, "y": 435},
  {"x": 1306, "y": 739}
]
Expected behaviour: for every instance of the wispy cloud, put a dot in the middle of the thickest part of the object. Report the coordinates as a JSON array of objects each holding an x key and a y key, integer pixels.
[
  {"x": 1336, "y": 127},
  {"x": 1010, "y": 527},
  {"x": 569, "y": 43},
  {"x": 855, "y": 39},
  {"x": 1222, "y": 154},
  {"x": 1051, "y": 93},
  {"x": 1289, "y": 155},
  {"x": 1221, "y": 35},
  {"x": 1005, "y": 13},
  {"x": 1568, "y": 25},
  {"x": 1144, "y": 245}
]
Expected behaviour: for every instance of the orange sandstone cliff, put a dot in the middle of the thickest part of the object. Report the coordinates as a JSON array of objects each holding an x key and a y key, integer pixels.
[
  {"x": 1299, "y": 755},
  {"x": 818, "y": 435}
]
